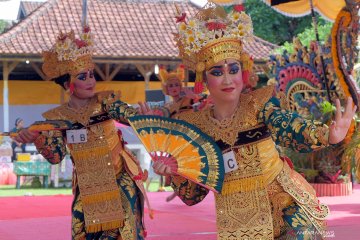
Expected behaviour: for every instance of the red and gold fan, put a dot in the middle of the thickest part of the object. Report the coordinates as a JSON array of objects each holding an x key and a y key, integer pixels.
[{"x": 188, "y": 151}]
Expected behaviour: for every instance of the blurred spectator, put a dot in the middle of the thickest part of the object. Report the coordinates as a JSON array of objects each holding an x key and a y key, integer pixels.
[
  {"x": 151, "y": 176},
  {"x": 19, "y": 124}
]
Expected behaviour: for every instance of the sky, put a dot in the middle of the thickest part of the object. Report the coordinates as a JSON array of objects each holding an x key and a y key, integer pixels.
[{"x": 9, "y": 8}]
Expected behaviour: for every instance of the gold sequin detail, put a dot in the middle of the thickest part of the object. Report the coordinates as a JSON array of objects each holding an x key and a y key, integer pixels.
[
  {"x": 245, "y": 117},
  {"x": 244, "y": 215},
  {"x": 305, "y": 196},
  {"x": 64, "y": 112}
]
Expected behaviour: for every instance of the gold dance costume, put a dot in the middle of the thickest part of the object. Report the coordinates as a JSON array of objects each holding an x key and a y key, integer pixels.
[
  {"x": 264, "y": 198},
  {"x": 106, "y": 176},
  {"x": 107, "y": 186}
]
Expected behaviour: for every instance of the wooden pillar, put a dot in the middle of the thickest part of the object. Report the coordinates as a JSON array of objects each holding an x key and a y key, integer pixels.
[
  {"x": 186, "y": 81},
  {"x": 62, "y": 95},
  {"x": 146, "y": 71},
  {"x": 7, "y": 69},
  {"x": 115, "y": 71},
  {"x": 6, "y": 95},
  {"x": 107, "y": 71},
  {"x": 100, "y": 72},
  {"x": 38, "y": 70},
  {"x": 108, "y": 75}
]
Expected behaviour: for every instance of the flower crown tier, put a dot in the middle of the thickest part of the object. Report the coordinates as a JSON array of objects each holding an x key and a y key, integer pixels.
[
  {"x": 215, "y": 33},
  {"x": 69, "y": 55}
]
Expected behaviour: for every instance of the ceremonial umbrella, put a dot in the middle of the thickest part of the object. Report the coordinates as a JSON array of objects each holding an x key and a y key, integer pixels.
[{"x": 297, "y": 8}]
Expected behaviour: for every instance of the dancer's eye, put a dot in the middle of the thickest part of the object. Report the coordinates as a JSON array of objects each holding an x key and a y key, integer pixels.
[
  {"x": 234, "y": 69},
  {"x": 216, "y": 73},
  {"x": 81, "y": 76}
]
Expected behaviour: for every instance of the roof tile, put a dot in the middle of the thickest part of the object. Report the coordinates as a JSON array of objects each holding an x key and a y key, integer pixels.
[
  {"x": 28, "y": 6},
  {"x": 122, "y": 29}
]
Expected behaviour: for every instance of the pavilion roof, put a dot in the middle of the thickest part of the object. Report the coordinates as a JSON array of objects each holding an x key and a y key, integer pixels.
[{"x": 123, "y": 29}]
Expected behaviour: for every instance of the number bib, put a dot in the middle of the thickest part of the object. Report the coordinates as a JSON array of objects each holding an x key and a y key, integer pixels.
[
  {"x": 230, "y": 163},
  {"x": 76, "y": 136}
]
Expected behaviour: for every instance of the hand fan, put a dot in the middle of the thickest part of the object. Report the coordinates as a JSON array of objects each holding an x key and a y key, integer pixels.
[{"x": 183, "y": 147}]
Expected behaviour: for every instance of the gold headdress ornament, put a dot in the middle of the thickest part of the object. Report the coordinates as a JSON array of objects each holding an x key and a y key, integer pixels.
[
  {"x": 69, "y": 55},
  {"x": 215, "y": 33},
  {"x": 165, "y": 76}
]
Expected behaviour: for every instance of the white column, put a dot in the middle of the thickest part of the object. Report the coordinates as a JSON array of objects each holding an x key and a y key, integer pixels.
[{"x": 6, "y": 95}]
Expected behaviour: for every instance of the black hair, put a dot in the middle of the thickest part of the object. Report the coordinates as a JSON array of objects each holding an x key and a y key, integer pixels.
[
  {"x": 17, "y": 121},
  {"x": 62, "y": 80}
]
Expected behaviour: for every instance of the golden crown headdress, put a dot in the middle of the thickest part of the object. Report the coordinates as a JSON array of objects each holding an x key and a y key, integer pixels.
[
  {"x": 165, "y": 76},
  {"x": 215, "y": 33},
  {"x": 69, "y": 55}
]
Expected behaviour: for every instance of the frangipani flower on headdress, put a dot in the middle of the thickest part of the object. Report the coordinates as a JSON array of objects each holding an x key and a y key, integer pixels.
[
  {"x": 215, "y": 33},
  {"x": 69, "y": 54},
  {"x": 215, "y": 28}
]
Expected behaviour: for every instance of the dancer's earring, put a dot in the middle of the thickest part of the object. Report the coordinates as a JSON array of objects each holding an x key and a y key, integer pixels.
[{"x": 71, "y": 88}]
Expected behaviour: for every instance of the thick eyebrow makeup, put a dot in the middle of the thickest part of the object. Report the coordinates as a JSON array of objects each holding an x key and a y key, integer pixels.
[{"x": 229, "y": 64}]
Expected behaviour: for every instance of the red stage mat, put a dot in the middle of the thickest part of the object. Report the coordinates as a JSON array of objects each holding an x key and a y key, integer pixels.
[{"x": 48, "y": 217}]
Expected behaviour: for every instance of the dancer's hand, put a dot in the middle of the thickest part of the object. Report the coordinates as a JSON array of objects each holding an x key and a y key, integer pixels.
[
  {"x": 26, "y": 136},
  {"x": 162, "y": 169},
  {"x": 189, "y": 93},
  {"x": 144, "y": 109},
  {"x": 342, "y": 121}
]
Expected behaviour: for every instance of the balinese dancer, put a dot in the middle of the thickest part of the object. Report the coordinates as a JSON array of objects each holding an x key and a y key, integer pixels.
[
  {"x": 107, "y": 179},
  {"x": 262, "y": 196},
  {"x": 172, "y": 85}
]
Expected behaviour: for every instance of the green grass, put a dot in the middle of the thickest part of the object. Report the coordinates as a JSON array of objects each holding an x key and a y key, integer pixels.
[
  {"x": 154, "y": 186},
  {"x": 11, "y": 191}
]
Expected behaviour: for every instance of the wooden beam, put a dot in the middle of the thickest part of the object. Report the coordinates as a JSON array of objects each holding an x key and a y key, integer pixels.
[
  {"x": 186, "y": 80},
  {"x": 100, "y": 72},
  {"x": 62, "y": 95},
  {"x": 146, "y": 71},
  {"x": 13, "y": 66},
  {"x": 141, "y": 69},
  {"x": 6, "y": 70},
  {"x": 17, "y": 58},
  {"x": 98, "y": 60},
  {"x": 107, "y": 71},
  {"x": 39, "y": 71},
  {"x": 115, "y": 71}
]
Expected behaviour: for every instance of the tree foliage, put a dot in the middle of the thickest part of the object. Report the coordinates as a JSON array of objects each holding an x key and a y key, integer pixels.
[
  {"x": 3, "y": 25},
  {"x": 273, "y": 26},
  {"x": 307, "y": 36}
]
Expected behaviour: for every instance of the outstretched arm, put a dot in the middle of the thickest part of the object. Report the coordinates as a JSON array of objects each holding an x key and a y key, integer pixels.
[
  {"x": 342, "y": 121},
  {"x": 289, "y": 129},
  {"x": 50, "y": 144},
  {"x": 117, "y": 109},
  {"x": 120, "y": 111}
]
